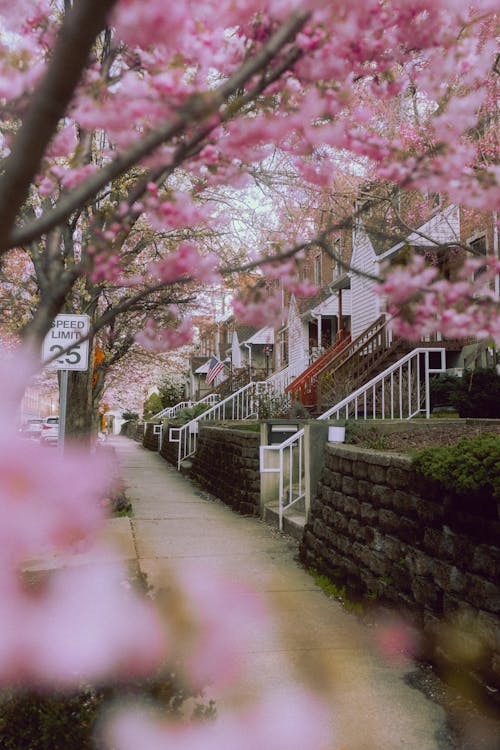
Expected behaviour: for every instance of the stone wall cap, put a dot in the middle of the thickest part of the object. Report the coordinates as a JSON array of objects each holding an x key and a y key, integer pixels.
[{"x": 371, "y": 456}]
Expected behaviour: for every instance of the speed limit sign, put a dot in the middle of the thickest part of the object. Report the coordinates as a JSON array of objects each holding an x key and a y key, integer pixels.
[{"x": 64, "y": 339}]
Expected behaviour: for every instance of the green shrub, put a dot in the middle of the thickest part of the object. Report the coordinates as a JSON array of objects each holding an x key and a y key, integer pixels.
[
  {"x": 48, "y": 722},
  {"x": 68, "y": 721},
  {"x": 442, "y": 389},
  {"x": 130, "y": 415},
  {"x": 475, "y": 394},
  {"x": 152, "y": 406},
  {"x": 184, "y": 416},
  {"x": 470, "y": 466},
  {"x": 478, "y": 394}
]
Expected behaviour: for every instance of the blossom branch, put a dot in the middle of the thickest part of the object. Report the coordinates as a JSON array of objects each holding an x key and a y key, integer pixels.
[
  {"x": 81, "y": 25},
  {"x": 198, "y": 107}
]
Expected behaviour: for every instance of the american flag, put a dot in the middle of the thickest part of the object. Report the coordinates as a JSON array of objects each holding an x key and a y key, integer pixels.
[{"x": 215, "y": 366}]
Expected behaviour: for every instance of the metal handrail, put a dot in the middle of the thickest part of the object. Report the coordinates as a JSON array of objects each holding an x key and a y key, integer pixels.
[
  {"x": 335, "y": 411},
  {"x": 396, "y": 396},
  {"x": 187, "y": 435},
  {"x": 294, "y": 457},
  {"x": 171, "y": 411}
]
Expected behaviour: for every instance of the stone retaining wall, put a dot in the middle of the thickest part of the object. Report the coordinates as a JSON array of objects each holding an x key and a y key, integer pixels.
[
  {"x": 150, "y": 440},
  {"x": 134, "y": 430},
  {"x": 385, "y": 532},
  {"x": 169, "y": 451},
  {"x": 226, "y": 464}
]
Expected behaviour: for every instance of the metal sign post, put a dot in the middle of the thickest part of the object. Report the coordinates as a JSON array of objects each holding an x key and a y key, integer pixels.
[
  {"x": 63, "y": 400},
  {"x": 64, "y": 338}
]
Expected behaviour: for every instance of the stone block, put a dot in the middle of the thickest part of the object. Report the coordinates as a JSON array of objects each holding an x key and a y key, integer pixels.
[
  {"x": 403, "y": 503},
  {"x": 419, "y": 564},
  {"x": 388, "y": 521},
  {"x": 441, "y": 572},
  {"x": 338, "y": 500},
  {"x": 432, "y": 541},
  {"x": 368, "y": 513},
  {"x": 377, "y": 474},
  {"x": 345, "y": 466},
  {"x": 364, "y": 490},
  {"x": 397, "y": 478},
  {"x": 319, "y": 529},
  {"x": 430, "y": 514},
  {"x": 336, "y": 480},
  {"x": 425, "y": 592},
  {"x": 327, "y": 514},
  {"x": 354, "y": 528},
  {"x": 482, "y": 594},
  {"x": 352, "y": 506},
  {"x": 360, "y": 469},
  {"x": 393, "y": 548},
  {"x": 349, "y": 486},
  {"x": 486, "y": 560},
  {"x": 380, "y": 495},
  {"x": 343, "y": 544}
]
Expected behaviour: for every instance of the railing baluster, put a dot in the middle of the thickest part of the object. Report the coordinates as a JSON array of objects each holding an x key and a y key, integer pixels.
[
  {"x": 409, "y": 387},
  {"x": 392, "y": 395},
  {"x": 401, "y": 392}
]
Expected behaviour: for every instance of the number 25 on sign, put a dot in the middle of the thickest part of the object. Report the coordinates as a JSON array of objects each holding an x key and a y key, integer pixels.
[{"x": 64, "y": 338}]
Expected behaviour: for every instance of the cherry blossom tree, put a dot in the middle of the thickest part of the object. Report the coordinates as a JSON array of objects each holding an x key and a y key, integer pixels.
[
  {"x": 119, "y": 118},
  {"x": 209, "y": 99}
]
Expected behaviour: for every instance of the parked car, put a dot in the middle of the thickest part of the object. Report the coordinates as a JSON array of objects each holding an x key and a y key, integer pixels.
[
  {"x": 32, "y": 428},
  {"x": 50, "y": 431}
]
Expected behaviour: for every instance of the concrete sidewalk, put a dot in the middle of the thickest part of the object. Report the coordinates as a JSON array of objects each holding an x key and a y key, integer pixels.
[{"x": 315, "y": 640}]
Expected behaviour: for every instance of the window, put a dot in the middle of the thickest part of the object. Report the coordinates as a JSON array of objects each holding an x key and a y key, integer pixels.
[
  {"x": 479, "y": 248},
  {"x": 317, "y": 270},
  {"x": 337, "y": 268},
  {"x": 434, "y": 200}
]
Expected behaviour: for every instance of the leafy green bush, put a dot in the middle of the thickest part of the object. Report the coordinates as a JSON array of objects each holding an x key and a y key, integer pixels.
[
  {"x": 130, "y": 415},
  {"x": 184, "y": 416},
  {"x": 152, "y": 406},
  {"x": 67, "y": 721},
  {"x": 478, "y": 394},
  {"x": 442, "y": 389},
  {"x": 470, "y": 466},
  {"x": 475, "y": 394},
  {"x": 49, "y": 722}
]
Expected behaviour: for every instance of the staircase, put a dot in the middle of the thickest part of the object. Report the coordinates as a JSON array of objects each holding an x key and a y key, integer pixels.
[
  {"x": 365, "y": 356},
  {"x": 172, "y": 411},
  {"x": 242, "y": 404},
  {"x": 304, "y": 387}
]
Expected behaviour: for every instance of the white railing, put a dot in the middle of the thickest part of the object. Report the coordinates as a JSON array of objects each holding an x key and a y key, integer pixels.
[
  {"x": 290, "y": 467},
  {"x": 172, "y": 411},
  {"x": 399, "y": 392},
  {"x": 279, "y": 380},
  {"x": 242, "y": 404}
]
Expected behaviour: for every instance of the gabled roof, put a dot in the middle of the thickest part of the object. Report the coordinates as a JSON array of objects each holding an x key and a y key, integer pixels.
[{"x": 263, "y": 336}]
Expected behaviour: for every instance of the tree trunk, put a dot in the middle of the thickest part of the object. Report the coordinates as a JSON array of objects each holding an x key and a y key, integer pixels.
[{"x": 79, "y": 421}]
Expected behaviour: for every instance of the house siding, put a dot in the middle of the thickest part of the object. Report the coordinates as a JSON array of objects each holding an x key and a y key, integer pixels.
[
  {"x": 365, "y": 307},
  {"x": 298, "y": 358}
]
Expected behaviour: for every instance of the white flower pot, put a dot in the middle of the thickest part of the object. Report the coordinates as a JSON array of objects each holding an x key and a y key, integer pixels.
[{"x": 336, "y": 434}]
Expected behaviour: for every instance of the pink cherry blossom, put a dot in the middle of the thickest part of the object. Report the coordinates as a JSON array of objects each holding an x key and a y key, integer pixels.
[
  {"x": 226, "y": 618},
  {"x": 156, "y": 339},
  {"x": 186, "y": 261},
  {"x": 79, "y": 623},
  {"x": 286, "y": 719}
]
